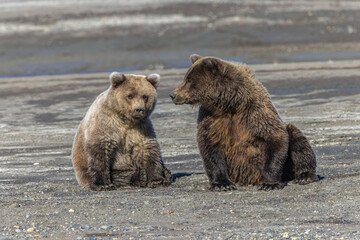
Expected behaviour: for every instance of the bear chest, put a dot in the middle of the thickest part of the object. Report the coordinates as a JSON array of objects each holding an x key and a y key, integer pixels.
[
  {"x": 131, "y": 139},
  {"x": 227, "y": 131}
]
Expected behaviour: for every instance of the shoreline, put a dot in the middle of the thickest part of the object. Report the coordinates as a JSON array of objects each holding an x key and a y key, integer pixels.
[{"x": 351, "y": 63}]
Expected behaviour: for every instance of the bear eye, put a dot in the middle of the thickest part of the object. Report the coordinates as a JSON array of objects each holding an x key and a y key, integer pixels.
[
  {"x": 188, "y": 80},
  {"x": 130, "y": 96},
  {"x": 145, "y": 97}
]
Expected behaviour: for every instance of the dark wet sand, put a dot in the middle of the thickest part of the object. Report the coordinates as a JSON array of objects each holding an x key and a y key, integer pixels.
[{"x": 39, "y": 117}]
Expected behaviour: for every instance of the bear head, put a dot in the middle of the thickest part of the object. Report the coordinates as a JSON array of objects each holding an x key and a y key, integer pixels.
[
  {"x": 202, "y": 82},
  {"x": 214, "y": 84},
  {"x": 133, "y": 97}
]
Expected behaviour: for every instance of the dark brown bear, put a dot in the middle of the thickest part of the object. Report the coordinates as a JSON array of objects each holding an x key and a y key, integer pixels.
[
  {"x": 115, "y": 144},
  {"x": 241, "y": 137}
]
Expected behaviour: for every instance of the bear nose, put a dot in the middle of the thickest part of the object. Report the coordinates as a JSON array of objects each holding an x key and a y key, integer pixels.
[
  {"x": 139, "y": 111},
  {"x": 172, "y": 95}
]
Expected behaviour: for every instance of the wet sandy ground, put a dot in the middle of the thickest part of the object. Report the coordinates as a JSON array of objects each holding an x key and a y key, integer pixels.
[
  {"x": 39, "y": 196},
  {"x": 41, "y": 199},
  {"x": 65, "y": 36}
]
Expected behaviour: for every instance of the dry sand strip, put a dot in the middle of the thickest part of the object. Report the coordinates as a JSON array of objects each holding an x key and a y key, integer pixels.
[{"x": 39, "y": 196}]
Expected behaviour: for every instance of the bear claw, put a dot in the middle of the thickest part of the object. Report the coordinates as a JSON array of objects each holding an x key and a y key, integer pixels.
[
  {"x": 269, "y": 187},
  {"x": 223, "y": 187},
  {"x": 154, "y": 184},
  {"x": 107, "y": 187}
]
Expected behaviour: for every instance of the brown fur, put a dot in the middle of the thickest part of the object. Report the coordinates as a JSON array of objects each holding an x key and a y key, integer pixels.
[
  {"x": 241, "y": 137},
  {"x": 115, "y": 144}
]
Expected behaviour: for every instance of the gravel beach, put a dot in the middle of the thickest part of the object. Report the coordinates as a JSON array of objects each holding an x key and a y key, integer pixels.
[{"x": 40, "y": 197}]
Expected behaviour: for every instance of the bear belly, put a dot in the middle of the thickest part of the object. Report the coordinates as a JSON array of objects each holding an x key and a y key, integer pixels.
[
  {"x": 134, "y": 150},
  {"x": 244, "y": 155},
  {"x": 244, "y": 164}
]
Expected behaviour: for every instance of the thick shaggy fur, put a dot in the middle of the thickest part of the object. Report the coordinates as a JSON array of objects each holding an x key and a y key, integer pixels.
[
  {"x": 115, "y": 144},
  {"x": 241, "y": 137}
]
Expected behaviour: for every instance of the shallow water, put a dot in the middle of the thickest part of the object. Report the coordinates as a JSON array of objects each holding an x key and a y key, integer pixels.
[{"x": 74, "y": 37}]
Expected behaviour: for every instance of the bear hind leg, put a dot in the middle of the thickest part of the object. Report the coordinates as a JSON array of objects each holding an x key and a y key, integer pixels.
[
  {"x": 301, "y": 156},
  {"x": 158, "y": 175},
  {"x": 168, "y": 178}
]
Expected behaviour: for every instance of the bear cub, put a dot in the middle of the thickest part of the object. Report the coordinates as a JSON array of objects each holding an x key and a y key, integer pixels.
[
  {"x": 115, "y": 144},
  {"x": 241, "y": 137}
]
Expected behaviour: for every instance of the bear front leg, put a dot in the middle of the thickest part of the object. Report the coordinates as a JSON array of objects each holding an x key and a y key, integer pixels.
[
  {"x": 275, "y": 157},
  {"x": 215, "y": 165},
  {"x": 99, "y": 167},
  {"x": 216, "y": 169}
]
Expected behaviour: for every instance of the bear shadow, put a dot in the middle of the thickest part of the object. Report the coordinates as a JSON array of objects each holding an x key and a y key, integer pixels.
[
  {"x": 183, "y": 174},
  {"x": 320, "y": 177}
]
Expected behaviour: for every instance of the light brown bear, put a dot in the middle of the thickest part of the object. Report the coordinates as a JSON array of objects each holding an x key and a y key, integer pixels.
[
  {"x": 241, "y": 137},
  {"x": 115, "y": 144}
]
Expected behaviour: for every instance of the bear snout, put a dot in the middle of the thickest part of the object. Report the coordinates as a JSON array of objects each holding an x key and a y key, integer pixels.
[
  {"x": 172, "y": 95},
  {"x": 177, "y": 99},
  {"x": 139, "y": 112}
]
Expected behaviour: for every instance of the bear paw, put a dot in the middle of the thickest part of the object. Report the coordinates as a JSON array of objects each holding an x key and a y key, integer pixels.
[
  {"x": 222, "y": 187},
  {"x": 167, "y": 177},
  {"x": 306, "y": 178},
  {"x": 107, "y": 187},
  {"x": 143, "y": 178},
  {"x": 268, "y": 187},
  {"x": 154, "y": 184}
]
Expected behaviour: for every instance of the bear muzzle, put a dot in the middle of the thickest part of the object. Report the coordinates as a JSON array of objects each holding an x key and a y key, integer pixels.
[
  {"x": 139, "y": 113},
  {"x": 177, "y": 99}
]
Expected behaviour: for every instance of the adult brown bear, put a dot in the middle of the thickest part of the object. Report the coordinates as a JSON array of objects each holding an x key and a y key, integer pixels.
[{"x": 241, "y": 137}]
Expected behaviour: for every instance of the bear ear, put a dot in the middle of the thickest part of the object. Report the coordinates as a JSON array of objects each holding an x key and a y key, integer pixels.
[
  {"x": 194, "y": 58},
  {"x": 116, "y": 78},
  {"x": 154, "y": 79},
  {"x": 213, "y": 64}
]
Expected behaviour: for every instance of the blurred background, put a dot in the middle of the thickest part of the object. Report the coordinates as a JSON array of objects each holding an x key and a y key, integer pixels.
[{"x": 42, "y": 37}]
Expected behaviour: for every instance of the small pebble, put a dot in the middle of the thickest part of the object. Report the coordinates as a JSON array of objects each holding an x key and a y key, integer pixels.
[
  {"x": 15, "y": 205},
  {"x": 30, "y": 230},
  {"x": 285, "y": 235},
  {"x": 105, "y": 227},
  {"x": 71, "y": 210}
]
